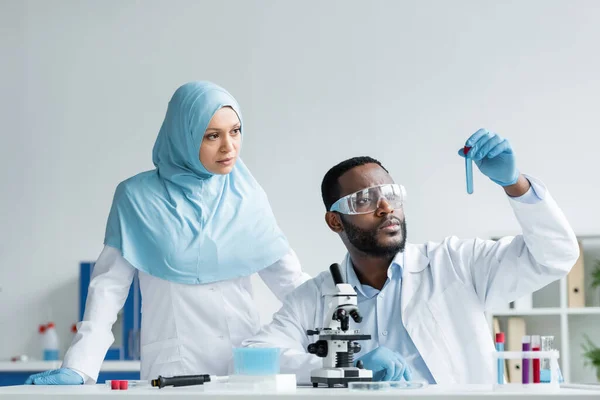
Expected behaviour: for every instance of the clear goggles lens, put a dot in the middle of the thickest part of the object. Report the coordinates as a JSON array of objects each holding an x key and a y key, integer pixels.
[{"x": 368, "y": 200}]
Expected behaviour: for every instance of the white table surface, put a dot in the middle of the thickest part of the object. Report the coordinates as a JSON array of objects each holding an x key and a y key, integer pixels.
[
  {"x": 107, "y": 366},
  {"x": 433, "y": 392}
]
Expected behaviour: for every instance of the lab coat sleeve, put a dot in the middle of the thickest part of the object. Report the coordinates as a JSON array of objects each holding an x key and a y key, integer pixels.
[
  {"x": 288, "y": 332},
  {"x": 107, "y": 292},
  {"x": 530, "y": 197},
  {"x": 505, "y": 270},
  {"x": 284, "y": 276}
]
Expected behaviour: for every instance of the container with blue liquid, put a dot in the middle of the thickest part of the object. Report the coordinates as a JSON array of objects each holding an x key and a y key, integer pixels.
[{"x": 256, "y": 361}]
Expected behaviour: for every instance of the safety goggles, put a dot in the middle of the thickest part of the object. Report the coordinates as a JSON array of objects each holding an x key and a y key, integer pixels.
[{"x": 367, "y": 200}]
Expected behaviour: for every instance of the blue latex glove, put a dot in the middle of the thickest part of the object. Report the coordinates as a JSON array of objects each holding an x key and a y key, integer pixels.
[
  {"x": 63, "y": 376},
  {"x": 493, "y": 156},
  {"x": 387, "y": 365}
]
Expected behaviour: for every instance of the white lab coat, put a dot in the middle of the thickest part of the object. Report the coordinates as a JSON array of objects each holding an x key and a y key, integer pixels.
[
  {"x": 445, "y": 289},
  {"x": 186, "y": 329}
]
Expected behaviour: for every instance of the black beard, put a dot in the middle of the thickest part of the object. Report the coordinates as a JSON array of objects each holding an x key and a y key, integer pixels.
[{"x": 366, "y": 241}]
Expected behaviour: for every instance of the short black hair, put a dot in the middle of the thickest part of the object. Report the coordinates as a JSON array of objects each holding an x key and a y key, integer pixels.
[{"x": 330, "y": 187}]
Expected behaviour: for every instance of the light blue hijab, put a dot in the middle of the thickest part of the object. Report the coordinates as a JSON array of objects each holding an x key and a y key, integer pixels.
[{"x": 182, "y": 223}]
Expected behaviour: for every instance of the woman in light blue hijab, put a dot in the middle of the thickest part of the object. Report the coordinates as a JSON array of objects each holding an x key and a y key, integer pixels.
[{"x": 195, "y": 229}]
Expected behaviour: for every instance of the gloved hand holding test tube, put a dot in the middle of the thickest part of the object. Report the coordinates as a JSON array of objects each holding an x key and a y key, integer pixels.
[{"x": 494, "y": 157}]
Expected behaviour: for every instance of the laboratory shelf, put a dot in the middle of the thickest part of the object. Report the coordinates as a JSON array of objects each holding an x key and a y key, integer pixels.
[{"x": 548, "y": 310}]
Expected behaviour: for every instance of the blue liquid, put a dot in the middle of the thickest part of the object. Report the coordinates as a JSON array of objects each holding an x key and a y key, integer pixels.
[
  {"x": 546, "y": 376},
  {"x": 255, "y": 361},
  {"x": 469, "y": 171},
  {"x": 50, "y": 355},
  {"x": 500, "y": 347}
]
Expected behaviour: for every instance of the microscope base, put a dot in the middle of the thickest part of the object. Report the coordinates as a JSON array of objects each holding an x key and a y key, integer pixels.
[{"x": 339, "y": 376}]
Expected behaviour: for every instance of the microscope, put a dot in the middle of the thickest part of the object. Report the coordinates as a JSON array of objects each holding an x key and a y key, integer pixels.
[{"x": 336, "y": 344}]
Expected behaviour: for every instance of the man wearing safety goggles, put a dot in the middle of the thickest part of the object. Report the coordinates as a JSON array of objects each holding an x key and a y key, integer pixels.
[
  {"x": 424, "y": 304},
  {"x": 379, "y": 228}
]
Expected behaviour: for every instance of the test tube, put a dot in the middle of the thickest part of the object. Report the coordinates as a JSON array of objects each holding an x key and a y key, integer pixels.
[
  {"x": 500, "y": 347},
  {"x": 526, "y": 343},
  {"x": 535, "y": 346},
  {"x": 468, "y": 169}
]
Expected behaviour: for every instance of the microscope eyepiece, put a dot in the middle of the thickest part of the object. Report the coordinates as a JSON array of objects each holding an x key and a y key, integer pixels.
[{"x": 336, "y": 274}]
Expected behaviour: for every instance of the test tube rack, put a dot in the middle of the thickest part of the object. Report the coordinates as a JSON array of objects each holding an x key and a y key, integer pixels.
[{"x": 545, "y": 387}]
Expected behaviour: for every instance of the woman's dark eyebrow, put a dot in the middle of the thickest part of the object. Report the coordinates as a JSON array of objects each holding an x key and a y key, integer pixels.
[{"x": 236, "y": 125}]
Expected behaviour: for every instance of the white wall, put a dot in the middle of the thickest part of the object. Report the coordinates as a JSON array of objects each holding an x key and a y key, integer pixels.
[{"x": 85, "y": 86}]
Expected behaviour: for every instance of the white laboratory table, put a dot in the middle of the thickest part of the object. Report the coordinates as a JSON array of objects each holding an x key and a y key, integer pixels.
[
  {"x": 107, "y": 366},
  {"x": 433, "y": 392},
  {"x": 16, "y": 373}
]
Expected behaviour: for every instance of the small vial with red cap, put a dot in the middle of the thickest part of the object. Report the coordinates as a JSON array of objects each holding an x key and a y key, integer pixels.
[{"x": 121, "y": 384}]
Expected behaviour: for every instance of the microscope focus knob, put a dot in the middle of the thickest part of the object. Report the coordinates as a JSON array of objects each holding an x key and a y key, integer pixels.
[
  {"x": 354, "y": 347},
  {"x": 318, "y": 348},
  {"x": 360, "y": 365}
]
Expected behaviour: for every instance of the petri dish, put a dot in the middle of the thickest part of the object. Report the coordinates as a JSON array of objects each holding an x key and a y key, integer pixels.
[
  {"x": 368, "y": 386},
  {"x": 407, "y": 385}
]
